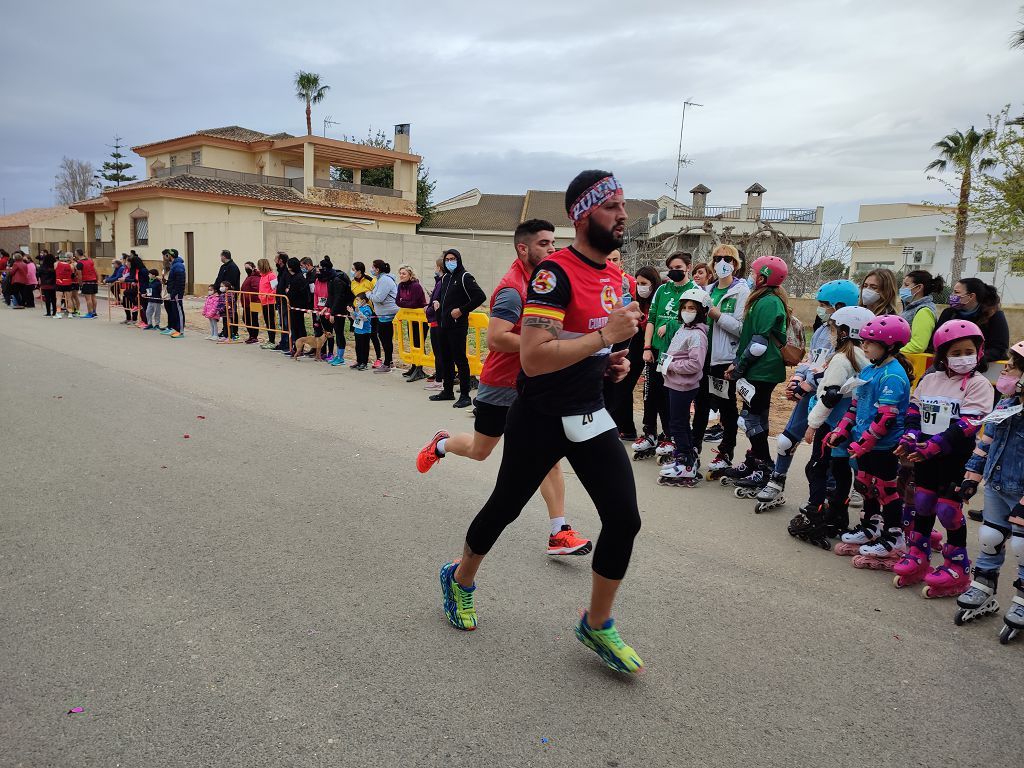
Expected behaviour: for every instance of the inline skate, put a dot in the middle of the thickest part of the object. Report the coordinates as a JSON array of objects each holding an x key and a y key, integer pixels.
[
  {"x": 748, "y": 487},
  {"x": 950, "y": 578},
  {"x": 809, "y": 525},
  {"x": 771, "y": 496},
  {"x": 665, "y": 451},
  {"x": 683, "y": 472},
  {"x": 980, "y": 599},
  {"x": 883, "y": 553},
  {"x": 1014, "y": 617},
  {"x": 718, "y": 466},
  {"x": 914, "y": 565},
  {"x": 865, "y": 532},
  {"x": 644, "y": 447},
  {"x": 837, "y": 519},
  {"x": 731, "y": 474}
]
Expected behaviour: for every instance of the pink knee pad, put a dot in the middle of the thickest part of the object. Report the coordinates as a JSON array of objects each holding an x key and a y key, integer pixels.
[
  {"x": 865, "y": 483},
  {"x": 950, "y": 514}
]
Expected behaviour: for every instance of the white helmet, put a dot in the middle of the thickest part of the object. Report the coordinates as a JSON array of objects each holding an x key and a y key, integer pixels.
[
  {"x": 853, "y": 318},
  {"x": 698, "y": 295}
]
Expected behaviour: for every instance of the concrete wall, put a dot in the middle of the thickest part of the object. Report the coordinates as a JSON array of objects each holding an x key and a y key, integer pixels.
[
  {"x": 12, "y": 238},
  {"x": 487, "y": 261}
]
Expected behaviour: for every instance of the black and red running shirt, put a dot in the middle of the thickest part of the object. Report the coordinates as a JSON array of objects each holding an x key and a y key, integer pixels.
[{"x": 580, "y": 294}]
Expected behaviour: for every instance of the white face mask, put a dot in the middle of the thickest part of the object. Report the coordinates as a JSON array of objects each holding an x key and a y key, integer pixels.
[
  {"x": 962, "y": 364},
  {"x": 869, "y": 296},
  {"x": 223, "y": 289},
  {"x": 823, "y": 314},
  {"x": 688, "y": 317},
  {"x": 723, "y": 268},
  {"x": 643, "y": 291}
]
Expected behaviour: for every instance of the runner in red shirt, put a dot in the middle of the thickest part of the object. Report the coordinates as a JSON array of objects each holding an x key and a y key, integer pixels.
[
  {"x": 534, "y": 241},
  {"x": 573, "y": 315},
  {"x": 89, "y": 279}
]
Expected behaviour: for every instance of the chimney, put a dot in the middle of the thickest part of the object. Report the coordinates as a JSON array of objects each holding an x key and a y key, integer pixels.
[
  {"x": 754, "y": 192},
  {"x": 402, "y": 138},
  {"x": 700, "y": 199}
]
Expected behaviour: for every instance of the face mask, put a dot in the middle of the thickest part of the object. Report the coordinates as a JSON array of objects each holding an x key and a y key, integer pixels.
[
  {"x": 1007, "y": 383},
  {"x": 451, "y": 266},
  {"x": 304, "y": 270},
  {"x": 723, "y": 268},
  {"x": 869, "y": 296},
  {"x": 833, "y": 337},
  {"x": 955, "y": 301},
  {"x": 375, "y": 272},
  {"x": 223, "y": 289},
  {"x": 688, "y": 317},
  {"x": 248, "y": 270},
  {"x": 676, "y": 275},
  {"x": 906, "y": 294},
  {"x": 962, "y": 364},
  {"x": 823, "y": 314},
  {"x": 643, "y": 291}
]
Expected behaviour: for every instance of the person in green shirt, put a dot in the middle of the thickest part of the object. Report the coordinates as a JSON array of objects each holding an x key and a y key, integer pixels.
[
  {"x": 917, "y": 294},
  {"x": 760, "y": 365},
  {"x": 662, "y": 324}
]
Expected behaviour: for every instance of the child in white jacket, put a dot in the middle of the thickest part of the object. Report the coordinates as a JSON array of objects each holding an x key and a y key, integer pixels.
[{"x": 821, "y": 519}]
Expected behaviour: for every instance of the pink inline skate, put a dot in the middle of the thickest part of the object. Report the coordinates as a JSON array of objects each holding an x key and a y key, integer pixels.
[
  {"x": 865, "y": 532},
  {"x": 951, "y": 578},
  {"x": 914, "y": 565}
]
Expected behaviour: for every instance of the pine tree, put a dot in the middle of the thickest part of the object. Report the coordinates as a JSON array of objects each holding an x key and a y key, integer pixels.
[{"x": 114, "y": 169}]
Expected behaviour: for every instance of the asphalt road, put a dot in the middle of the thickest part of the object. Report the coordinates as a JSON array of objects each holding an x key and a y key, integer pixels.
[{"x": 264, "y": 593}]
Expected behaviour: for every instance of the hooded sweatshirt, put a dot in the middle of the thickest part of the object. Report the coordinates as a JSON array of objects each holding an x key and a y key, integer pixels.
[
  {"x": 383, "y": 295},
  {"x": 686, "y": 354},
  {"x": 459, "y": 290}
]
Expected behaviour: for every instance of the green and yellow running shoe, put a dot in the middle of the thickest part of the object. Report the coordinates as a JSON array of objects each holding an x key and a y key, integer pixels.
[
  {"x": 607, "y": 644},
  {"x": 458, "y": 601}
]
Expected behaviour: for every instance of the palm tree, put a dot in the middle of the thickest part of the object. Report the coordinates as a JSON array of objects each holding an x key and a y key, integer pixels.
[
  {"x": 964, "y": 152},
  {"x": 1017, "y": 39},
  {"x": 309, "y": 90}
]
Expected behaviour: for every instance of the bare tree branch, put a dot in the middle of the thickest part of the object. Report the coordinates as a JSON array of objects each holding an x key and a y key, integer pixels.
[{"x": 73, "y": 181}]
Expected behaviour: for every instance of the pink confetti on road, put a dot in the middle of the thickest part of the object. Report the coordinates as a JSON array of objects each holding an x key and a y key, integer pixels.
[
  {"x": 186, "y": 436},
  {"x": 76, "y": 710}
]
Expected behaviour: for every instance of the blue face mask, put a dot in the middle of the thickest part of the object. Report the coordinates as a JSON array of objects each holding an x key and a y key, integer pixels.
[
  {"x": 451, "y": 266},
  {"x": 374, "y": 272},
  {"x": 352, "y": 274},
  {"x": 906, "y": 294}
]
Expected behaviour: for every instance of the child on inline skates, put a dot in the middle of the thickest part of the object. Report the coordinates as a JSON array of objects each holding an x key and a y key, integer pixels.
[
  {"x": 999, "y": 458},
  {"x": 874, "y": 425},
  {"x": 683, "y": 366},
  {"x": 833, "y": 295},
  {"x": 941, "y": 425},
  {"x": 819, "y": 520}
]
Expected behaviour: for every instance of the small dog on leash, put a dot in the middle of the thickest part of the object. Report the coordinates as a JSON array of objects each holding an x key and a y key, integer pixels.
[{"x": 314, "y": 343}]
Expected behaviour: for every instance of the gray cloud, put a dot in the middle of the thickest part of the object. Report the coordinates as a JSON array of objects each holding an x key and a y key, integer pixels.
[{"x": 823, "y": 103}]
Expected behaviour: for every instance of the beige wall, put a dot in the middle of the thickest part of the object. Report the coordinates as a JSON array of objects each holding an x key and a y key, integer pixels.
[
  {"x": 12, "y": 238},
  {"x": 897, "y": 211}
]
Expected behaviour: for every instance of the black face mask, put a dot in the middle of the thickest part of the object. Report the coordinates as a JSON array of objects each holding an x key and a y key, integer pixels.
[
  {"x": 676, "y": 275},
  {"x": 248, "y": 270}
]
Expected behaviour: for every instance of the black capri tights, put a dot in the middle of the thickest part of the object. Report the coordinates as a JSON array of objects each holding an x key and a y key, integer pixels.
[{"x": 534, "y": 442}]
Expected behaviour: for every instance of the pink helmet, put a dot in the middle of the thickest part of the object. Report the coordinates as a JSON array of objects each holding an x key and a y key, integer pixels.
[
  {"x": 890, "y": 330},
  {"x": 952, "y": 330},
  {"x": 771, "y": 268}
]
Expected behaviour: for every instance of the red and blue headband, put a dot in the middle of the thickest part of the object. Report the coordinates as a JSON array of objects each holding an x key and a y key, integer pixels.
[{"x": 603, "y": 190}]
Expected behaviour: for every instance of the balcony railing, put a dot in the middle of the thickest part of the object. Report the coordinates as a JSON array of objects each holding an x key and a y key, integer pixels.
[
  {"x": 742, "y": 213},
  {"x": 237, "y": 176},
  {"x": 362, "y": 189}
]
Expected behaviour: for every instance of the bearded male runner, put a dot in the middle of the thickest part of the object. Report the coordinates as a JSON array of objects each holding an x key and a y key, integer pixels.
[
  {"x": 534, "y": 241},
  {"x": 573, "y": 316}
]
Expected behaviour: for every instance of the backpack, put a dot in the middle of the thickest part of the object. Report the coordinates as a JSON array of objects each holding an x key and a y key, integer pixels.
[{"x": 795, "y": 348}]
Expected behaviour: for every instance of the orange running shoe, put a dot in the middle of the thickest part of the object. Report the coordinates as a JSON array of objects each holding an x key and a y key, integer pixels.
[
  {"x": 568, "y": 542},
  {"x": 427, "y": 457}
]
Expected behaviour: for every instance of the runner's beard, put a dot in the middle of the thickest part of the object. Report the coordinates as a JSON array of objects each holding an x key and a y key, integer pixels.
[{"x": 603, "y": 240}]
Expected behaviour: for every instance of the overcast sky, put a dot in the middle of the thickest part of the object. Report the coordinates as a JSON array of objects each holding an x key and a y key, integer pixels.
[{"x": 824, "y": 103}]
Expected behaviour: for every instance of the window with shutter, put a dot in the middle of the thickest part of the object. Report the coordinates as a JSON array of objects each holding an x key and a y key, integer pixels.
[{"x": 140, "y": 231}]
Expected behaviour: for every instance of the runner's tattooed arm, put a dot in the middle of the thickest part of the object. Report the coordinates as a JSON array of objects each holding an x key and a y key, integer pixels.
[{"x": 542, "y": 351}]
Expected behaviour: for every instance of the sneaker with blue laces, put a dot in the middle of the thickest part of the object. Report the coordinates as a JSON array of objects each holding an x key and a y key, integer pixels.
[
  {"x": 607, "y": 644},
  {"x": 458, "y": 601}
]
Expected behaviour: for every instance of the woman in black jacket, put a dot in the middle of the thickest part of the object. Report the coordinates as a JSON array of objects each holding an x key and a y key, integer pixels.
[
  {"x": 971, "y": 299},
  {"x": 137, "y": 277},
  {"x": 339, "y": 299},
  {"x": 459, "y": 296},
  {"x": 299, "y": 298}
]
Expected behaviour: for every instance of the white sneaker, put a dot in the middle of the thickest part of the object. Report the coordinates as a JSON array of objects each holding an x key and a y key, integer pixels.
[{"x": 890, "y": 543}]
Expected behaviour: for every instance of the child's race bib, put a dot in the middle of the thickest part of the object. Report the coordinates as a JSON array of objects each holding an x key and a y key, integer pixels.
[
  {"x": 663, "y": 363},
  {"x": 997, "y": 417},
  {"x": 718, "y": 387},
  {"x": 322, "y": 301},
  {"x": 746, "y": 390},
  {"x": 358, "y": 322},
  {"x": 587, "y": 426},
  {"x": 817, "y": 357},
  {"x": 937, "y": 413}
]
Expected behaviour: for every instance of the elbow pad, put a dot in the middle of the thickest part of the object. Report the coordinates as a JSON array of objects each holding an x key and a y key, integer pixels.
[
  {"x": 842, "y": 430},
  {"x": 758, "y": 346},
  {"x": 831, "y": 397}
]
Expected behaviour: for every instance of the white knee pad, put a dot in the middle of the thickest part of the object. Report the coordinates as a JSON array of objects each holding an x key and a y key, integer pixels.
[
  {"x": 785, "y": 444},
  {"x": 991, "y": 540},
  {"x": 1017, "y": 542}
]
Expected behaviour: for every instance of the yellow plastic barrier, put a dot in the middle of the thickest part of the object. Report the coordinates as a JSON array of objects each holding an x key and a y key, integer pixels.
[
  {"x": 920, "y": 361},
  {"x": 418, "y": 354}
]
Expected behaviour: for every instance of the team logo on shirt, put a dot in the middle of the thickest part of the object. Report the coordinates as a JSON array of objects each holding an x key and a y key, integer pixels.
[
  {"x": 544, "y": 282},
  {"x": 608, "y": 298}
]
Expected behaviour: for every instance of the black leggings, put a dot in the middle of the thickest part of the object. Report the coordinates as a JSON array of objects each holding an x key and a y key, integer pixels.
[
  {"x": 655, "y": 401},
  {"x": 270, "y": 321},
  {"x": 297, "y": 325},
  {"x": 817, "y": 467},
  {"x": 726, "y": 408},
  {"x": 534, "y": 443},
  {"x": 50, "y": 300},
  {"x": 386, "y": 334},
  {"x": 375, "y": 336},
  {"x": 755, "y": 419},
  {"x": 454, "y": 342}
]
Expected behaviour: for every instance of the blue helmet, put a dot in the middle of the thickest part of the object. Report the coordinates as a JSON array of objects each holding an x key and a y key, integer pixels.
[{"x": 843, "y": 292}]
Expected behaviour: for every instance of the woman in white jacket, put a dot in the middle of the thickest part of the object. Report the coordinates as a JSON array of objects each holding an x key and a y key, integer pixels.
[
  {"x": 725, "y": 319},
  {"x": 826, "y": 515}
]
